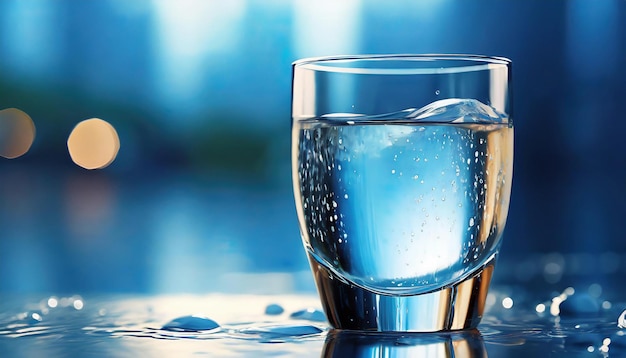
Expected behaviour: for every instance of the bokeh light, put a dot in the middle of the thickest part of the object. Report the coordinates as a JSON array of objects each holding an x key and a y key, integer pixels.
[
  {"x": 93, "y": 144},
  {"x": 17, "y": 133},
  {"x": 507, "y": 303},
  {"x": 540, "y": 308},
  {"x": 53, "y": 302}
]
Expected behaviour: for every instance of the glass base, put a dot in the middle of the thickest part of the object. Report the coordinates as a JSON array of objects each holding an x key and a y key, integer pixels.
[
  {"x": 351, "y": 307},
  {"x": 343, "y": 343}
]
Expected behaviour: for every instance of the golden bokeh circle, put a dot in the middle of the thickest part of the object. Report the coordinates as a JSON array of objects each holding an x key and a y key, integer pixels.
[
  {"x": 17, "y": 133},
  {"x": 93, "y": 144}
]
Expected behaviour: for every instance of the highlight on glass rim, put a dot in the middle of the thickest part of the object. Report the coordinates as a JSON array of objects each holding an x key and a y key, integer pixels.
[{"x": 432, "y": 178}]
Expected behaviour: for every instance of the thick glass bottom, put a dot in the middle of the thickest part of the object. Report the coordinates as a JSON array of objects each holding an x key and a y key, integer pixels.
[
  {"x": 343, "y": 343},
  {"x": 351, "y": 307}
]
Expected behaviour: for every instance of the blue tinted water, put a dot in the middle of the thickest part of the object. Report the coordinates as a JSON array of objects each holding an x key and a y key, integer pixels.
[
  {"x": 410, "y": 201},
  {"x": 516, "y": 324}
]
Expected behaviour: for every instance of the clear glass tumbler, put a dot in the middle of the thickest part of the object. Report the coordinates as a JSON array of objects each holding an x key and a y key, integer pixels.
[{"x": 402, "y": 168}]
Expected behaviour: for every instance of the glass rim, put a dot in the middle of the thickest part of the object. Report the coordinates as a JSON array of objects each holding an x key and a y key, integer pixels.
[{"x": 470, "y": 63}]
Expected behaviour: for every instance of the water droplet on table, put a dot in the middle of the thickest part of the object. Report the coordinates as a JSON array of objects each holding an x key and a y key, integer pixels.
[
  {"x": 190, "y": 324},
  {"x": 32, "y": 318},
  {"x": 283, "y": 331},
  {"x": 579, "y": 305},
  {"x": 310, "y": 314},
  {"x": 274, "y": 309}
]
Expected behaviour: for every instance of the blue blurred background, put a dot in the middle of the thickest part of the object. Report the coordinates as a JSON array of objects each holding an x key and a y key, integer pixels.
[{"x": 199, "y": 198}]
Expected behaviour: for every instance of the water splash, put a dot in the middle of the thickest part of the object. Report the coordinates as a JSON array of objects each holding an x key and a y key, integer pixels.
[
  {"x": 55, "y": 325},
  {"x": 457, "y": 110},
  {"x": 621, "y": 321},
  {"x": 449, "y": 110}
]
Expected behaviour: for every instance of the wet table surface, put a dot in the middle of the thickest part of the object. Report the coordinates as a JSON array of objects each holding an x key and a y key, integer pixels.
[{"x": 570, "y": 322}]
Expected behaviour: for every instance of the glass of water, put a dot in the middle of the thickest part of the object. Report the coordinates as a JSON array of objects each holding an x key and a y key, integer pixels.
[{"x": 402, "y": 168}]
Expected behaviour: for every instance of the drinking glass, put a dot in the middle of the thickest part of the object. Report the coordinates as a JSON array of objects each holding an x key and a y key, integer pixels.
[{"x": 402, "y": 168}]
